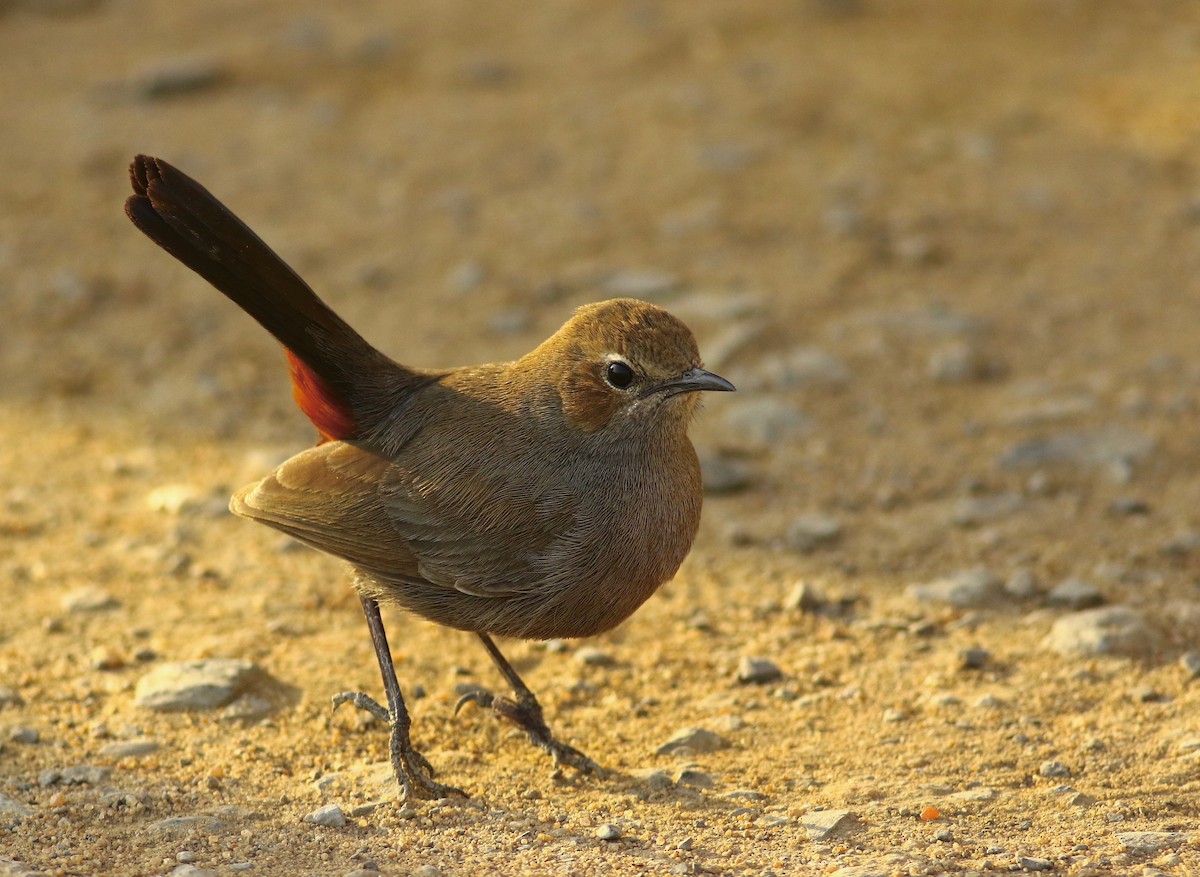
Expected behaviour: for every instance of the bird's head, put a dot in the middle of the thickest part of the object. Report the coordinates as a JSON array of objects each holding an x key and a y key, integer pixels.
[{"x": 624, "y": 365}]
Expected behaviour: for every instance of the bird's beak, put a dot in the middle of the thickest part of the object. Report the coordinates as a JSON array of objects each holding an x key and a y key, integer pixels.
[{"x": 694, "y": 380}]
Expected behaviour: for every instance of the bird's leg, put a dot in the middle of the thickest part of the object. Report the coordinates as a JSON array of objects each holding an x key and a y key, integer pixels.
[
  {"x": 524, "y": 711},
  {"x": 413, "y": 770}
]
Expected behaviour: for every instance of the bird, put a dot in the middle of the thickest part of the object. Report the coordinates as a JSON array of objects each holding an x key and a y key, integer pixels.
[{"x": 543, "y": 498}]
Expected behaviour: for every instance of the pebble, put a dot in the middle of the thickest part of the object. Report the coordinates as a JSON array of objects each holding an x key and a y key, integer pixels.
[
  {"x": 803, "y": 597},
  {"x": 1182, "y": 544},
  {"x": 693, "y": 741},
  {"x": 810, "y": 532},
  {"x": 27, "y": 736},
  {"x": 720, "y": 474},
  {"x": 805, "y": 367},
  {"x": 331, "y": 816},
  {"x": 1190, "y": 662},
  {"x": 829, "y": 824},
  {"x": 971, "y": 511},
  {"x": 608, "y": 832},
  {"x": 9, "y": 697},
  {"x": 1115, "y": 630},
  {"x": 593, "y": 656},
  {"x": 958, "y": 363},
  {"x": 1082, "y": 800},
  {"x": 693, "y": 778},
  {"x": 654, "y": 778},
  {"x": 1074, "y": 594},
  {"x": 12, "y": 811},
  {"x": 1054, "y": 769},
  {"x": 761, "y": 423},
  {"x": 178, "y": 76},
  {"x": 974, "y": 658},
  {"x": 640, "y": 284},
  {"x": 982, "y": 793},
  {"x": 1105, "y": 448},
  {"x": 964, "y": 590},
  {"x": 205, "y": 823},
  {"x": 1146, "y": 843},
  {"x": 88, "y": 599},
  {"x": 130, "y": 749},
  {"x": 427, "y": 871},
  {"x": 76, "y": 775},
  {"x": 1029, "y": 863},
  {"x": 1021, "y": 585},
  {"x": 194, "y": 685},
  {"x": 758, "y": 671}
]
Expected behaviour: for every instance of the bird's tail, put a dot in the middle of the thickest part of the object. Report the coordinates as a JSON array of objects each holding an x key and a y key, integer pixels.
[{"x": 338, "y": 379}]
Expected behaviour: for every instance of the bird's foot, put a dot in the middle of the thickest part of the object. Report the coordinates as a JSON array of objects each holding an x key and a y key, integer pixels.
[
  {"x": 526, "y": 713},
  {"x": 413, "y": 771}
]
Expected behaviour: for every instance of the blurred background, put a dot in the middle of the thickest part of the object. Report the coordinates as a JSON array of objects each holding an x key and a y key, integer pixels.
[{"x": 948, "y": 251}]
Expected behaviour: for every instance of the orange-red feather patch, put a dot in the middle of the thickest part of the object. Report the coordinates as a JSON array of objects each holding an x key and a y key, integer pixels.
[{"x": 325, "y": 408}]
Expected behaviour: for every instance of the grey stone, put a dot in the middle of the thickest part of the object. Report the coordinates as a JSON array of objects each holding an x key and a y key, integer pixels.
[
  {"x": 974, "y": 658},
  {"x": 640, "y": 284},
  {"x": 723, "y": 475},
  {"x": 1074, "y": 594},
  {"x": 175, "y": 825},
  {"x": 693, "y": 778},
  {"x": 1100, "y": 448},
  {"x": 1054, "y": 769},
  {"x": 971, "y": 511},
  {"x": 1082, "y": 800},
  {"x": 188, "y": 870},
  {"x": 959, "y": 362},
  {"x": 1115, "y": 630},
  {"x": 12, "y": 811},
  {"x": 654, "y": 778},
  {"x": 809, "y": 532},
  {"x": 608, "y": 832},
  {"x": 1021, "y": 585},
  {"x": 194, "y": 685},
  {"x": 130, "y": 749},
  {"x": 1190, "y": 662},
  {"x": 1147, "y": 843},
  {"x": 693, "y": 741},
  {"x": 758, "y": 671},
  {"x": 9, "y": 697},
  {"x": 26, "y": 736},
  {"x": 830, "y": 824},
  {"x": 1029, "y": 863},
  {"x": 427, "y": 871},
  {"x": 331, "y": 816},
  {"x": 178, "y": 76},
  {"x": 982, "y": 793},
  {"x": 88, "y": 599},
  {"x": 12, "y": 868},
  {"x": 592, "y": 656},
  {"x": 804, "y": 597},
  {"x": 967, "y": 589},
  {"x": 76, "y": 775},
  {"x": 762, "y": 422},
  {"x": 805, "y": 367}
]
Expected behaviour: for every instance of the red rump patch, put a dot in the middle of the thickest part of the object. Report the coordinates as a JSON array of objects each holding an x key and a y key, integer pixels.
[{"x": 329, "y": 413}]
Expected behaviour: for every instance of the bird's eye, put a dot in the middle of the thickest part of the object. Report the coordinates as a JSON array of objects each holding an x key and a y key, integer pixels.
[{"x": 618, "y": 374}]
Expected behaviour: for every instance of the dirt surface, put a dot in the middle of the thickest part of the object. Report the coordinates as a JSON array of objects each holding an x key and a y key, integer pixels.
[{"x": 949, "y": 253}]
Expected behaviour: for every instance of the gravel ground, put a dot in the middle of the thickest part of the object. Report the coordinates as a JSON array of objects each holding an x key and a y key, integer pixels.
[{"x": 942, "y": 613}]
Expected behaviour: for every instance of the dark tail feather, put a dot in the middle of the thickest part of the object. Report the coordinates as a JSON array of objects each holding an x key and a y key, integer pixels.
[{"x": 337, "y": 377}]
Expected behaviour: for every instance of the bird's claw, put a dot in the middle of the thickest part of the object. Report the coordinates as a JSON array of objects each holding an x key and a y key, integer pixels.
[
  {"x": 526, "y": 714},
  {"x": 413, "y": 771}
]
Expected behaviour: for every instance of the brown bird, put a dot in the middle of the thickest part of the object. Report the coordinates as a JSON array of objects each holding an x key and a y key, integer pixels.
[{"x": 542, "y": 498}]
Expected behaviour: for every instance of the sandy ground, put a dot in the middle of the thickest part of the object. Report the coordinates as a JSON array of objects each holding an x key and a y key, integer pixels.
[{"x": 920, "y": 236}]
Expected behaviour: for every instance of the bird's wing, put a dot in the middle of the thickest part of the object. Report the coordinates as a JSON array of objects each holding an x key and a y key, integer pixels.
[{"x": 442, "y": 521}]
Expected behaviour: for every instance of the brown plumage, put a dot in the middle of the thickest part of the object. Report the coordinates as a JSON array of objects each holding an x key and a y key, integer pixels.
[{"x": 545, "y": 497}]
